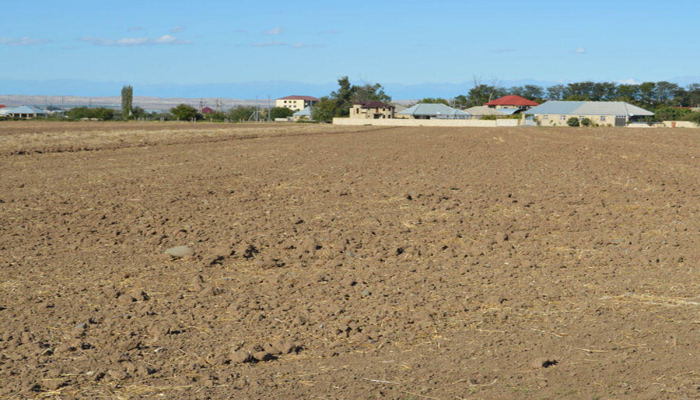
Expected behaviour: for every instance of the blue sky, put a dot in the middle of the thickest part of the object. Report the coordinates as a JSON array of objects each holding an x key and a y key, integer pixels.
[{"x": 184, "y": 43}]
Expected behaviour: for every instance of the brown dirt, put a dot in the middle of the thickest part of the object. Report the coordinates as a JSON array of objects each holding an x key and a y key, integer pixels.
[{"x": 407, "y": 263}]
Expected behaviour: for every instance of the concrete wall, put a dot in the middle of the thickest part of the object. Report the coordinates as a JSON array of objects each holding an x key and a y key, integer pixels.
[
  {"x": 560, "y": 119},
  {"x": 680, "y": 124},
  {"x": 427, "y": 122}
]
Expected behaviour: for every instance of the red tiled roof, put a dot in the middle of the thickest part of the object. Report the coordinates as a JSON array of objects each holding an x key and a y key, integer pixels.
[
  {"x": 512, "y": 101},
  {"x": 374, "y": 104},
  {"x": 2, "y": 106},
  {"x": 207, "y": 110},
  {"x": 306, "y": 98}
]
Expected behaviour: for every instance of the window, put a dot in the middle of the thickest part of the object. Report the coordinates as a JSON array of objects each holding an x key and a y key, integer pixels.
[
  {"x": 563, "y": 118},
  {"x": 602, "y": 118},
  {"x": 545, "y": 117}
]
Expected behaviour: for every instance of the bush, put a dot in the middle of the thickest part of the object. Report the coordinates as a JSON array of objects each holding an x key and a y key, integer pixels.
[
  {"x": 586, "y": 122},
  {"x": 693, "y": 117},
  {"x": 573, "y": 121},
  {"x": 241, "y": 113},
  {"x": 101, "y": 113},
  {"x": 184, "y": 112},
  {"x": 280, "y": 112}
]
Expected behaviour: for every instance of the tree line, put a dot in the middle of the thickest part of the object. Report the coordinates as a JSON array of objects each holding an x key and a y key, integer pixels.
[{"x": 649, "y": 95}]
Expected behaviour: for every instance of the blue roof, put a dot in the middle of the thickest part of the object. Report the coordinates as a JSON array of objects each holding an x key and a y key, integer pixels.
[
  {"x": 589, "y": 108},
  {"x": 306, "y": 112},
  {"x": 433, "y": 110},
  {"x": 25, "y": 110}
]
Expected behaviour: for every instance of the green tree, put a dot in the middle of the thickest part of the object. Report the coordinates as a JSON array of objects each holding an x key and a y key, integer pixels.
[
  {"x": 482, "y": 93},
  {"x": 342, "y": 100},
  {"x": 127, "y": 99},
  {"x": 573, "y": 121},
  {"x": 628, "y": 93},
  {"x": 101, "y": 113},
  {"x": 325, "y": 109},
  {"x": 694, "y": 117},
  {"x": 461, "y": 101},
  {"x": 369, "y": 92},
  {"x": 281, "y": 112},
  {"x": 184, "y": 112},
  {"x": 437, "y": 100},
  {"x": 241, "y": 113},
  {"x": 586, "y": 122},
  {"x": 555, "y": 92},
  {"x": 647, "y": 94}
]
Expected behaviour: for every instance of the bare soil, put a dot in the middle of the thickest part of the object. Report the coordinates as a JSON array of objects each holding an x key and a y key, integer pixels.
[{"x": 348, "y": 263}]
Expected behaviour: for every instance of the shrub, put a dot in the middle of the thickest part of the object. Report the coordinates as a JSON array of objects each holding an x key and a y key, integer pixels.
[
  {"x": 586, "y": 122},
  {"x": 280, "y": 112},
  {"x": 184, "y": 112},
  {"x": 101, "y": 113},
  {"x": 573, "y": 121},
  {"x": 693, "y": 116}
]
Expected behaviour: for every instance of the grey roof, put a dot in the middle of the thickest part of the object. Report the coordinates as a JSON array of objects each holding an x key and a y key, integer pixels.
[
  {"x": 432, "y": 110},
  {"x": 483, "y": 110},
  {"x": 589, "y": 108},
  {"x": 306, "y": 112},
  {"x": 25, "y": 110}
]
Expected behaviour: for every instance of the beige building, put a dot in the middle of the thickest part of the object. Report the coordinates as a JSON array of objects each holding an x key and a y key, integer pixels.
[
  {"x": 296, "y": 103},
  {"x": 603, "y": 113},
  {"x": 372, "y": 110}
]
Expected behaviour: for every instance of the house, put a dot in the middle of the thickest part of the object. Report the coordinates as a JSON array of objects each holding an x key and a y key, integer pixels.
[
  {"x": 606, "y": 113},
  {"x": 433, "y": 111},
  {"x": 24, "y": 112},
  {"x": 304, "y": 114},
  {"x": 515, "y": 103},
  {"x": 207, "y": 110},
  {"x": 296, "y": 103},
  {"x": 478, "y": 112},
  {"x": 372, "y": 109}
]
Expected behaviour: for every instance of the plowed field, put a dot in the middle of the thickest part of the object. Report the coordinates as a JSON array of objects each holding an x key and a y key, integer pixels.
[{"x": 348, "y": 263}]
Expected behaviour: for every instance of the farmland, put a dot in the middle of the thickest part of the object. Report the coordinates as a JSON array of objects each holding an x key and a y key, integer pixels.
[{"x": 348, "y": 262}]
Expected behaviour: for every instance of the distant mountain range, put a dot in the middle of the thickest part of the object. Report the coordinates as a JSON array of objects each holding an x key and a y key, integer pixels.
[{"x": 79, "y": 92}]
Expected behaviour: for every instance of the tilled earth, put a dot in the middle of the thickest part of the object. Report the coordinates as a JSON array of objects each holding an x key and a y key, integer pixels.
[{"x": 339, "y": 263}]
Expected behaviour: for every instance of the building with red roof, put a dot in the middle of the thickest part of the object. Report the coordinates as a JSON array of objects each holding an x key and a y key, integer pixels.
[
  {"x": 296, "y": 103},
  {"x": 512, "y": 102},
  {"x": 207, "y": 110}
]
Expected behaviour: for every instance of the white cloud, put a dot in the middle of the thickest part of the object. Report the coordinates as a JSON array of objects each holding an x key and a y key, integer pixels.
[
  {"x": 631, "y": 81},
  {"x": 177, "y": 29},
  {"x": 23, "y": 41},
  {"x": 304, "y": 45},
  {"x": 133, "y": 42},
  {"x": 285, "y": 44},
  {"x": 274, "y": 31},
  {"x": 268, "y": 44},
  {"x": 580, "y": 50}
]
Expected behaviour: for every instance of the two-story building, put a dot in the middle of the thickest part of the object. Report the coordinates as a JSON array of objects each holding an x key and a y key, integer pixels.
[
  {"x": 372, "y": 110},
  {"x": 296, "y": 103}
]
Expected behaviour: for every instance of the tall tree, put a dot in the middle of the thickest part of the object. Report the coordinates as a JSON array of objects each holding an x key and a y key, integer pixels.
[
  {"x": 555, "y": 92},
  {"x": 436, "y": 100},
  {"x": 127, "y": 99}
]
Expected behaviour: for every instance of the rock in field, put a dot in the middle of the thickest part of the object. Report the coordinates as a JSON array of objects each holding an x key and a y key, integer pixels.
[{"x": 180, "y": 251}]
